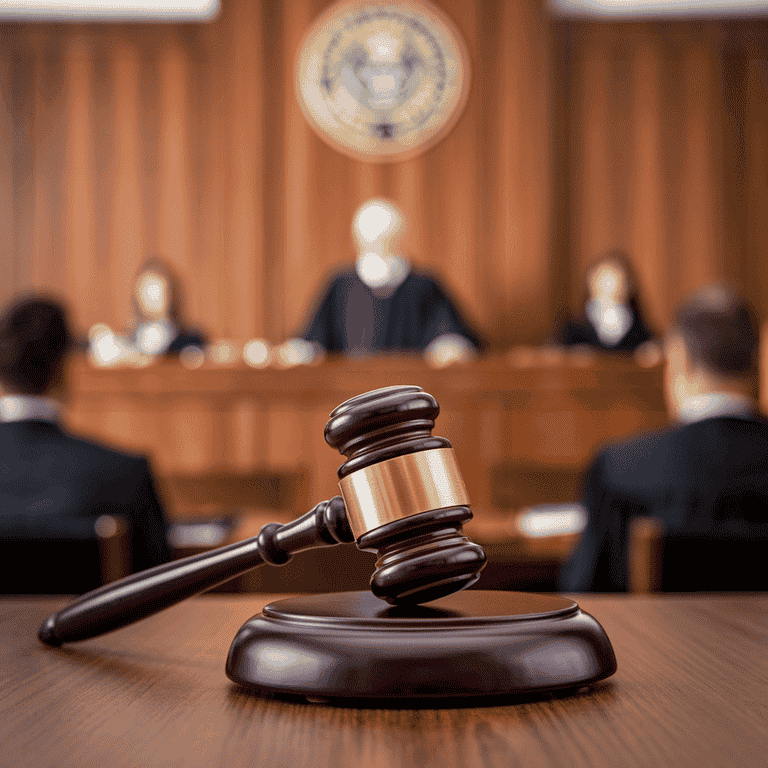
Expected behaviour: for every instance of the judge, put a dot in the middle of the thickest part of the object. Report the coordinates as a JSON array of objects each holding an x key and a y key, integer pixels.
[{"x": 382, "y": 303}]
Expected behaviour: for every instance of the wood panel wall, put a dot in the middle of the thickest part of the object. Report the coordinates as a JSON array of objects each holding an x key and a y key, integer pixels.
[{"x": 122, "y": 141}]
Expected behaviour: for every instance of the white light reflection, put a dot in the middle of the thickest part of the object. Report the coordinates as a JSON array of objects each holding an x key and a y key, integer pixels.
[
  {"x": 552, "y": 520},
  {"x": 108, "y": 349},
  {"x": 257, "y": 353},
  {"x": 224, "y": 353},
  {"x": 298, "y": 352},
  {"x": 660, "y": 8},
  {"x": 106, "y": 10},
  {"x": 557, "y": 661},
  {"x": 448, "y": 349},
  {"x": 104, "y": 347},
  {"x": 278, "y": 664},
  {"x": 154, "y": 338}
]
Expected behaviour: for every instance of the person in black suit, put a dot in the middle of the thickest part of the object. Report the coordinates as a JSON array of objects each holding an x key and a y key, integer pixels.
[
  {"x": 51, "y": 480},
  {"x": 707, "y": 474},
  {"x": 610, "y": 317}
]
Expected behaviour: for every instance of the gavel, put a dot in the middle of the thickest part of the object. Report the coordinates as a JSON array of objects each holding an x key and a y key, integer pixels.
[{"x": 402, "y": 497}]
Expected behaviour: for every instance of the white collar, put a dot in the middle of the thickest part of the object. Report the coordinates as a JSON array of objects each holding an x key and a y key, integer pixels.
[
  {"x": 715, "y": 404},
  {"x": 394, "y": 269},
  {"x": 26, "y": 407},
  {"x": 155, "y": 336},
  {"x": 610, "y": 320}
]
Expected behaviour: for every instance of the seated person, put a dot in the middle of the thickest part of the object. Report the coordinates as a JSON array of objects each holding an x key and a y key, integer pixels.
[
  {"x": 157, "y": 326},
  {"x": 610, "y": 317},
  {"x": 717, "y": 450},
  {"x": 48, "y": 473},
  {"x": 384, "y": 304}
]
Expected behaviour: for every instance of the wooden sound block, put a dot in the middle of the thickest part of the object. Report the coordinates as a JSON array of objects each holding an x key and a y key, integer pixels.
[{"x": 351, "y": 645}]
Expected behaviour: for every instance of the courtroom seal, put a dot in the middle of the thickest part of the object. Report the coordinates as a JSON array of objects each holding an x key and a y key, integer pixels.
[{"x": 384, "y": 81}]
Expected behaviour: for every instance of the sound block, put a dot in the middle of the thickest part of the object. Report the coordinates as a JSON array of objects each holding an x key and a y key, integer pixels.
[{"x": 351, "y": 645}]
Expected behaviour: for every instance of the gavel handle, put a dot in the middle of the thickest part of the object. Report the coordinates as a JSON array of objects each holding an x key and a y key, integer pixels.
[{"x": 142, "y": 594}]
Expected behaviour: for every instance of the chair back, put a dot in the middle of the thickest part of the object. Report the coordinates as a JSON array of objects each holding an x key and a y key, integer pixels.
[
  {"x": 63, "y": 555},
  {"x": 726, "y": 559}
]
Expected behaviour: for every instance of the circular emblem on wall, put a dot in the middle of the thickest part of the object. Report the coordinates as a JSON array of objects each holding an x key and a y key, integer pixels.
[{"x": 382, "y": 81}]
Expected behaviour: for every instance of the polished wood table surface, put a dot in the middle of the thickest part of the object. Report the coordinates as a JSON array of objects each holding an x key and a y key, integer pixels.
[{"x": 691, "y": 690}]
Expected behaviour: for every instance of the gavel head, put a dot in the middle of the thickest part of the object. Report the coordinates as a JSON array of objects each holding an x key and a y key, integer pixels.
[{"x": 404, "y": 495}]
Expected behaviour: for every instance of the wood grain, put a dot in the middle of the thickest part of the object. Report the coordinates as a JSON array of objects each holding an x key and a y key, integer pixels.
[
  {"x": 690, "y": 691},
  {"x": 539, "y": 413},
  {"x": 122, "y": 141}
]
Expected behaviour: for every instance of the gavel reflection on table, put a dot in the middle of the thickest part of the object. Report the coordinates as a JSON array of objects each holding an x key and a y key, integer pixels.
[{"x": 403, "y": 498}]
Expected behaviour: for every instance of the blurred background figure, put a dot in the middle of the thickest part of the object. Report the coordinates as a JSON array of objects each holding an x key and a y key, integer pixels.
[
  {"x": 384, "y": 304},
  {"x": 705, "y": 476},
  {"x": 53, "y": 483},
  {"x": 159, "y": 327},
  {"x": 610, "y": 316}
]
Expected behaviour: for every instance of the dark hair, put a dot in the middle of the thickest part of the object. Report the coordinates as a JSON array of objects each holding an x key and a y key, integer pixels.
[
  {"x": 175, "y": 299},
  {"x": 719, "y": 330},
  {"x": 34, "y": 337},
  {"x": 620, "y": 257}
]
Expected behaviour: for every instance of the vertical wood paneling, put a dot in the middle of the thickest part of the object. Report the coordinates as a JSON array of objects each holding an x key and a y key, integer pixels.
[
  {"x": 25, "y": 277},
  {"x": 302, "y": 209},
  {"x": 173, "y": 192},
  {"x": 519, "y": 246},
  {"x": 701, "y": 256},
  {"x": 120, "y": 142},
  {"x": 369, "y": 181},
  {"x": 647, "y": 215},
  {"x": 408, "y": 194},
  {"x": 457, "y": 156},
  {"x": 218, "y": 312},
  {"x": 43, "y": 269},
  {"x": 756, "y": 273},
  {"x": 592, "y": 124},
  {"x": 245, "y": 428},
  {"x": 245, "y": 240},
  {"x": 7, "y": 206},
  {"x": 84, "y": 288},
  {"x": 127, "y": 236}
]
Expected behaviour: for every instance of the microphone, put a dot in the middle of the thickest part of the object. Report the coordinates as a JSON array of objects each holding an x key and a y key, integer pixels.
[{"x": 403, "y": 498}]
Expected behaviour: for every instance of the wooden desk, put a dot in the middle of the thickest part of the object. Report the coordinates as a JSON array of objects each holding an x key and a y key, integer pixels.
[
  {"x": 535, "y": 408},
  {"x": 690, "y": 691}
]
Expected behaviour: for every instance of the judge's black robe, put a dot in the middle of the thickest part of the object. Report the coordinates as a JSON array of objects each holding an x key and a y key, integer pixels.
[{"x": 352, "y": 319}]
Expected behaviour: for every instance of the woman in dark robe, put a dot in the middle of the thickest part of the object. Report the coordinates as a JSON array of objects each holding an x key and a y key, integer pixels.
[
  {"x": 610, "y": 317},
  {"x": 158, "y": 327}
]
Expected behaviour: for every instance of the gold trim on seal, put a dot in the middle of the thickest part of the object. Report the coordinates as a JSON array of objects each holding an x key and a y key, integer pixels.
[{"x": 401, "y": 487}]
